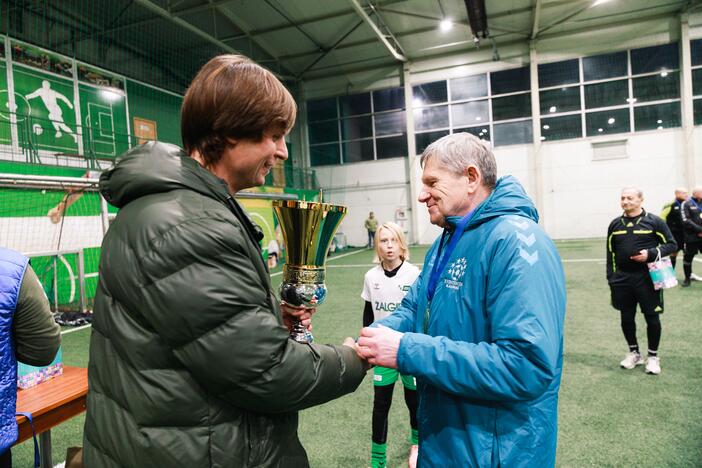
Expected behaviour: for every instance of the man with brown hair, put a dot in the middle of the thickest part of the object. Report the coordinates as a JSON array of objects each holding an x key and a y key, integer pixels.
[{"x": 190, "y": 361}]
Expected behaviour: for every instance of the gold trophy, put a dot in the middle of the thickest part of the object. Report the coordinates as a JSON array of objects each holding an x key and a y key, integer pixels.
[{"x": 308, "y": 229}]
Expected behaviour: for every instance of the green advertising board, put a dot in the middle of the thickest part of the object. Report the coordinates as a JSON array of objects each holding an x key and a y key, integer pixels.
[
  {"x": 44, "y": 106},
  {"x": 5, "y": 134},
  {"x": 104, "y": 119}
]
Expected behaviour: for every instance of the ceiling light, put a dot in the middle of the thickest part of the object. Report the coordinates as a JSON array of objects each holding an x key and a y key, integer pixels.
[
  {"x": 445, "y": 25},
  {"x": 417, "y": 102},
  {"x": 611, "y": 120},
  {"x": 660, "y": 127},
  {"x": 664, "y": 73},
  {"x": 478, "y": 118},
  {"x": 547, "y": 126},
  {"x": 659, "y": 121},
  {"x": 543, "y": 138},
  {"x": 599, "y": 2},
  {"x": 111, "y": 94},
  {"x": 599, "y": 130},
  {"x": 631, "y": 100},
  {"x": 552, "y": 109}
]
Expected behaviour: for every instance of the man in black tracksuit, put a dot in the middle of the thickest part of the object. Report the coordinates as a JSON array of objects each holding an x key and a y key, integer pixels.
[
  {"x": 672, "y": 216},
  {"x": 634, "y": 239},
  {"x": 691, "y": 214}
]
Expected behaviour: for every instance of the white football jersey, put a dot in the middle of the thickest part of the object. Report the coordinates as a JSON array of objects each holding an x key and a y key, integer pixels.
[{"x": 385, "y": 294}]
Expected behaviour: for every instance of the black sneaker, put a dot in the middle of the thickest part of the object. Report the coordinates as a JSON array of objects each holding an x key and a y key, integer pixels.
[{"x": 685, "y": 283}]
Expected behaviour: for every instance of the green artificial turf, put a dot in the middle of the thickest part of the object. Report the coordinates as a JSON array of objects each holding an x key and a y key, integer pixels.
[{"x": 607, "y": 416}]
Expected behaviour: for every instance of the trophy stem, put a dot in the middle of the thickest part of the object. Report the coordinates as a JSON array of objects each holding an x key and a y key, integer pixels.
[{"x": 301, "y": 334}]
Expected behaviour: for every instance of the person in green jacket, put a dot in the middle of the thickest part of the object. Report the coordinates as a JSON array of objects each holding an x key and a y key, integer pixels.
[{"x": 190, "y": 360}]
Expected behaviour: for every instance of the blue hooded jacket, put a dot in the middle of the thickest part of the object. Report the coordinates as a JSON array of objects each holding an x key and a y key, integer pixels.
[
  {"x": 488, "y": 367},
  {"x": 12, "y": 268}
]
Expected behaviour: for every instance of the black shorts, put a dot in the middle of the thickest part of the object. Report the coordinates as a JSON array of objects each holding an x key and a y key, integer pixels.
[
  {"x": 637, "y": 290},
  {"x": 693, "y": 248}
]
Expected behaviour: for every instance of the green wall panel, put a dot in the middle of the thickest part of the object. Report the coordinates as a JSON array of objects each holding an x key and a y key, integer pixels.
[
  {"x": 163, "y": 108},
  {"x": 104, "y": 120},
  {"x": 45, "y": 107}
]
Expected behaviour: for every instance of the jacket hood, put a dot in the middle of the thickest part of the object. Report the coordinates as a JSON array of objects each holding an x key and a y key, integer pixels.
[
  {"x": 508, "y": 198},
  {"x": 155, "y": 168}
]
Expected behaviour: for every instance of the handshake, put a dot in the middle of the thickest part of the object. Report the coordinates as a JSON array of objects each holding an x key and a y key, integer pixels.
[{"x": 377, "y": 346}]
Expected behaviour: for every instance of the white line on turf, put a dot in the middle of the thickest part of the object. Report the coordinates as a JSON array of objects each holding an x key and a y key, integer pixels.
[{"x": 66, "y": 332}]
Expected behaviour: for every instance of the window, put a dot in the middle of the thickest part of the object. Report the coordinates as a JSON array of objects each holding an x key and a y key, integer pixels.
[
  {"x": 513, "y": 133},
  {"x": 510, "y": 81},
  {"x": 389, "y": 123},
  {"x": 559, "y": 73},
  {"x": 357, "y": 127},
  {"x": 321, "y": 155},
  {"x": 697, "y": 82},
  {"x": 355, "y": 104},
  {"x": 655, "y": 59},
  {"x": 431, "y": 117},
  {"x": 696, "y": 52},
  {"x": 388, "y": 99},
  {"x": 511, "y": 107},
  {"x": 482, "y": 131},
  {"x": 323, "y": 132},
  {"x": 601, "y": 67},
  {"x": 469, "y": 87},
  {"x": 321, "y": 109},
  {"x": 658, "y": 116},
  {"x": 359, "y": 150},
  {"x": 422, "y": 140},
  {"x": 607, "y": 94},
  {"x": 560, "y": 100},
  {"x": 429, "y": 93},
  {"x": 561, "y": 128},
  {"x": 607, "y": 122},
  {"x": 391, "y": 147},
  {"x": 665, "y": 85},
  {"x": 350, "y": 128},
  {"x": 697, "y": 110},
  {"x": 470, "y": 113}
]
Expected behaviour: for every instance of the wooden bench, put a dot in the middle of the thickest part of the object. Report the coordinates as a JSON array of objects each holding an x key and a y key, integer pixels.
[{"x": 50, "y": 403}]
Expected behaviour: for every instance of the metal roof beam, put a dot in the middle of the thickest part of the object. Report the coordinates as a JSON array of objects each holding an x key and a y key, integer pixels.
[
  {"x": 535, "y": 22},
  {"x": 380, "y": 30}
]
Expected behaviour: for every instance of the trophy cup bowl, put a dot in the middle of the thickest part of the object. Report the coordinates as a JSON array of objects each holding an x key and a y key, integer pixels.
[{"x": 308, "y": 229}]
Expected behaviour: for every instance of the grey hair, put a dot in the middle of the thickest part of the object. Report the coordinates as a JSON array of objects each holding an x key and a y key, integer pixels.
[
  {"x": 638, "y": 191},
  {"x": 458, "y": 151}
]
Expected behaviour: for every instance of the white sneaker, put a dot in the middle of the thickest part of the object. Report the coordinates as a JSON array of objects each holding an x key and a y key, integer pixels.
[
  {"x": 412, "y": 460},
  {"x": 653, "y": 365},
  {"x": 695, "y": 277},
  {"x": 632, "y": 360}
]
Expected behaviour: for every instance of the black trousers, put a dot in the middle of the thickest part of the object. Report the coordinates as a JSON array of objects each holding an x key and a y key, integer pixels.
[{"x": 6, "y": 459}]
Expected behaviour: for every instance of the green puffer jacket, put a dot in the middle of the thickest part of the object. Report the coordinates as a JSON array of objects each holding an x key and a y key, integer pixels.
[{"x": 190, "y": 364}]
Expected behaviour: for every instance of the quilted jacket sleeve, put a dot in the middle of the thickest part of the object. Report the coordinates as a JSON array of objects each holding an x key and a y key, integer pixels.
[
  {"x": 525, "y": 305},
  {"x": 208, "y": 302}
]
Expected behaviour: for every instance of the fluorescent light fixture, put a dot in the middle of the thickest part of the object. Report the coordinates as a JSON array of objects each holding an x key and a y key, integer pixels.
[
  {"x": 599, "y": 2},
  {"x": 611, "y": 120},
  {"x": 478, "y": 118},
  {"x": 417, "y": 102},
  {"x": 631, "y": 100},
  {"x": 599, "y": 130},
  {"x": 445, "y": 25},
  {"x": 547, "y": 126},
  {"x": 664, "y": 73},
  {"x": 543, "y": 138},
  {"x": 111, "y": 94},
  {"x": 659, "y": 121},
  {"x": 660, "y": 127},
  {"x": 552, "y": 109}
]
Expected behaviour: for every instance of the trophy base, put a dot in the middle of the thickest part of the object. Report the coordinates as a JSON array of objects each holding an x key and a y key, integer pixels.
[{"x": 301, "y": 335}]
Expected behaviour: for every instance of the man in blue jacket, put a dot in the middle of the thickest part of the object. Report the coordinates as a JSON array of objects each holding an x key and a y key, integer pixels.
[{"x": 482, "y": 327}]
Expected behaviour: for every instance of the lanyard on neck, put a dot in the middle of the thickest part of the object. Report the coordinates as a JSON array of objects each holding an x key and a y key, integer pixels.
[
  {"x": 696, "y": 204},
  {"x": 441, "y": 261}
]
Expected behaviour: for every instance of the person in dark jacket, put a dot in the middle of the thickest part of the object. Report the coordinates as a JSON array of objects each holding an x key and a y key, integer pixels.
[
  {"x": 482, "y": 327},
  {"x": 28, "y": 334},
  {"x": 634, "y": 239},
  {"x": 672, "y": 215},
  {"x": 691, "y": 214},
  {"x": 190, "y": 362}
]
